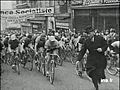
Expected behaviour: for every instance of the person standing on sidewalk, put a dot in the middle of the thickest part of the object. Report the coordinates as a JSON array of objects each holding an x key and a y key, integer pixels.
[{"x": 96, "y": 60}]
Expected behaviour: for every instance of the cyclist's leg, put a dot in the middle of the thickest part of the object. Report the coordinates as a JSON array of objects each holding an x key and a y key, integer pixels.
[{"x": 118, "y": 63}]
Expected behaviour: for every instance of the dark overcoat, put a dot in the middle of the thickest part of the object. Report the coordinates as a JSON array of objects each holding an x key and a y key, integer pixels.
[{"x": 96, "y": 61}]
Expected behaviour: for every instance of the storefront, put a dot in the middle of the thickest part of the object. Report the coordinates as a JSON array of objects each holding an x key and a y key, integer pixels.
[
  {"x": 63, "y": 21},
  {"x": 26, "y": 27},
  {"x": 42, "y": 22},
  {"x": 99, "y": 16}
]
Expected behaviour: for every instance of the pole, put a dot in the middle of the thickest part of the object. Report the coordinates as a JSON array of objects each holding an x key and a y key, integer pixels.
[{"x": 54, "y": 17}]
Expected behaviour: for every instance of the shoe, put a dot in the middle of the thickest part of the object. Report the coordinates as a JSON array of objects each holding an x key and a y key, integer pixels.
[
  {"x": 80, "y": 73},
  {"x": 13, "y": 67}
]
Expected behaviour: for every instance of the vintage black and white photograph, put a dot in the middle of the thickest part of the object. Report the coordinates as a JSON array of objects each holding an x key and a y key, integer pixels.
[{"x": 59, "y": 45}]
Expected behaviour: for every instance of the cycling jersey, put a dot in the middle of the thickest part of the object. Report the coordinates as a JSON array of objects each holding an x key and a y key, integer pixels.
[
  {"x": 14, "y": 44},
  {"x": 40, "y": 40},
  {"x": 51, "y": 45},
  {"x": 5, "y": 42},
  {"x": 27, "y": 41}
]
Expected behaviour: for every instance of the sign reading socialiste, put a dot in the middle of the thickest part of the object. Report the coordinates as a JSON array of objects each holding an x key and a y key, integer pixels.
[
  {"x": 28, "y": 11},
  {"x": 18, "y": 15}
]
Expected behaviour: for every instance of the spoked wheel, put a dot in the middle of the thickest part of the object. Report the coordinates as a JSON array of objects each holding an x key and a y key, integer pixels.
[
  {"x": 111, "y": 68},
  {"x": 42, "y": 66},
  {"x": 30, "y": 60},
  {"x": 17, "y": 65},
  {"x": 18, "y": 69},
  {"x": 52, "y": 72},
  {"x": 74, "y": 58},
  {"x": 60, "y": 61},
  {"x": 43, "y": 69}
]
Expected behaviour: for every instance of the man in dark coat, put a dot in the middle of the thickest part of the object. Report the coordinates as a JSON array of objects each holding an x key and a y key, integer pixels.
[{"x": 96, "y": 61}]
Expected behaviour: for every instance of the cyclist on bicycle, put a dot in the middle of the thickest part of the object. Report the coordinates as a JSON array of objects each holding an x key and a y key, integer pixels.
[
  {"x": 13, "y": 45},
  {"x": 39, "y": 44},
  {"x": 114, "y": 49},
  {"x": 5, "y": 42},
  {"x": 51, "y": 45},
  {"x": 27, "y": 42}
]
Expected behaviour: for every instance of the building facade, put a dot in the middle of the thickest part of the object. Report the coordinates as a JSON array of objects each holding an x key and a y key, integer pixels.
[
  {"x": 100, "y": 14},
  {"x": 61, "y": 19}
]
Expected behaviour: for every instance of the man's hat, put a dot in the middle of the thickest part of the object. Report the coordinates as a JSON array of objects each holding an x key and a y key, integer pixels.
[{"x": 88, "y": 29}]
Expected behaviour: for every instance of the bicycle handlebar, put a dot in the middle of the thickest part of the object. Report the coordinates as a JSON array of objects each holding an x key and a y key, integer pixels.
[{"x": 55, "y": 55}]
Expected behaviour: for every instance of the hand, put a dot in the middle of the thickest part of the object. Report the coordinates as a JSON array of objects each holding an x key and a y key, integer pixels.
[{"x": 99, "y": 49}]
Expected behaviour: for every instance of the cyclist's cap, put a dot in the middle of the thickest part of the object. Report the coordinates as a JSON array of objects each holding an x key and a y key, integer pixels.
[
  {"x": 52, "y": 38},
  {"x": 13, "y": 37}
]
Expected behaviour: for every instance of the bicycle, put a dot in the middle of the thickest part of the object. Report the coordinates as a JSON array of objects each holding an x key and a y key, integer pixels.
[
  {"x": 15, "y": 62},
  {"x": 52, "y": 65},
  {"x": 74, "y": 56},
  {"x": 28, "y": 57},
  {"x": 112, "y": 67},
  {"x": 40, "y": 62}
]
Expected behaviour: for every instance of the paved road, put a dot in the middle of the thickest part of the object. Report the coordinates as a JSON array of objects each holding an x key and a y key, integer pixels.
[{"x": 65, "y": 79}]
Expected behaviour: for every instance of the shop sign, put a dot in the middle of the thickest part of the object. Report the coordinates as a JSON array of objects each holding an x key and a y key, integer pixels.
[
  {"x": 111, "y": 1},
  {"x": 49, "y": 10},
  {"x": 62, "y": 24},
  {"x": 25, "y": 24},
  {"x": 17, "y": 18},
  {"x": 89, "y": 2}
]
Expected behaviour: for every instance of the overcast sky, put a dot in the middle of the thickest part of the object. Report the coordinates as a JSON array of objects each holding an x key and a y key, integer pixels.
[{"x": 6, "y": 4}]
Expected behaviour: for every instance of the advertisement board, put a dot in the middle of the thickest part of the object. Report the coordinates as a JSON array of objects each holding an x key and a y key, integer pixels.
[
  {"x": 20, "y": 15},
  {"x": 49, "y": 10}
]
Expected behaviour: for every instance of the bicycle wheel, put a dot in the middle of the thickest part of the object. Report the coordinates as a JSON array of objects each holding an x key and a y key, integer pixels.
[
  {"x": 60, "y": 61},
  {"x": 17, "y": 64},
  {"x": 111, "y": 68},
  {"x": 30, "y": 59},
  {"x": 18, "y": 68},
  {"x": 74, "y": 58},
  {"x": 43, "y": 68},
  {"x": 38, "y": 63},
  {"x": 52, "y": 71}
]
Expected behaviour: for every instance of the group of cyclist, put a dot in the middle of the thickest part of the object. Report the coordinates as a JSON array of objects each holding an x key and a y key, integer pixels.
[{"x": 53, "y": 42}]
